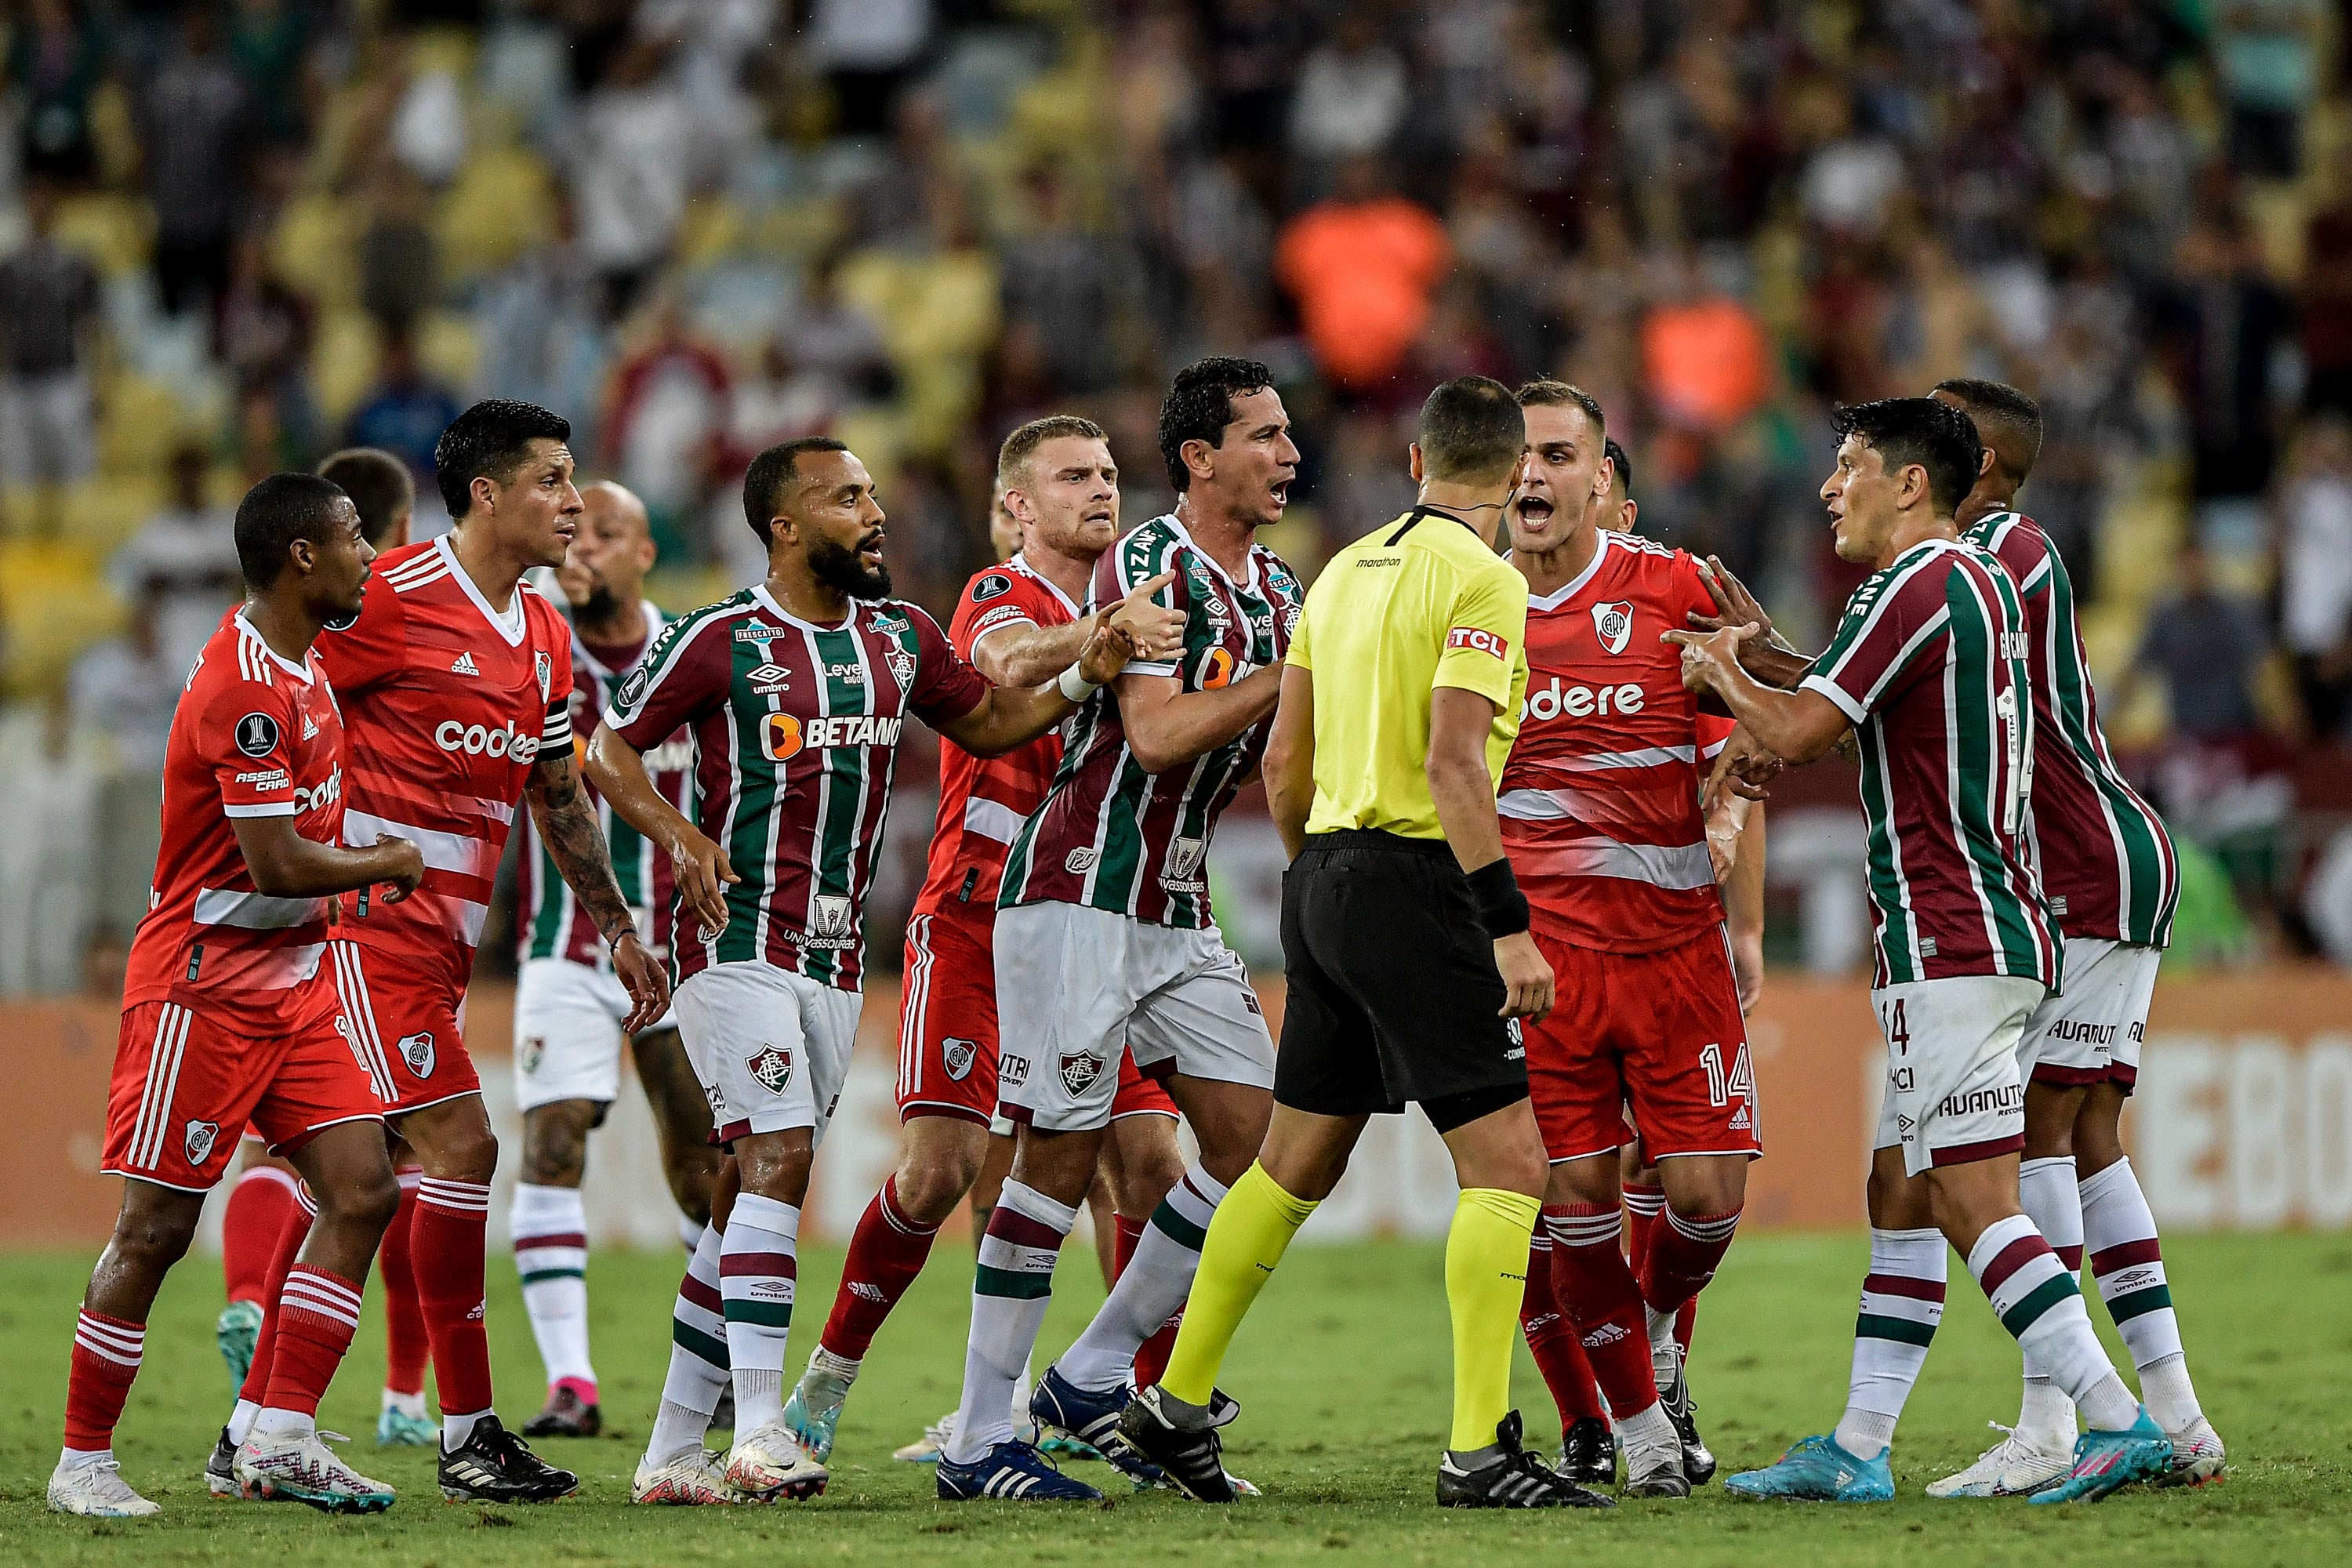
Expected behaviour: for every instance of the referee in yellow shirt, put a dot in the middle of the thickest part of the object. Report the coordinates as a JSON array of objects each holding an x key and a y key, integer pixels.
[{"x": 1406, "y": 943}]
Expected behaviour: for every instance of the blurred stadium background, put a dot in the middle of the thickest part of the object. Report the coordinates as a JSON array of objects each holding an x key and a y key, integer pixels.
[{"x": 236, "y": 237}]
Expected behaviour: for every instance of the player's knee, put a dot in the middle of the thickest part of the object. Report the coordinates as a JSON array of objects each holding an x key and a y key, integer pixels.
[
  {"x": 1701, "y": 1187},
  {"x": 153, "y": 1240},
  {"x": 368, "y": 1198},
  {"x": 688, "y": 1172},
  {"x": 931, "y": 1182},
  {"x": 469, "y": 1154},
  {"x": 777, "y": 1172},
  {"x": 1593, "y": 1182},
  {"x": 2096, "y": 1137}
]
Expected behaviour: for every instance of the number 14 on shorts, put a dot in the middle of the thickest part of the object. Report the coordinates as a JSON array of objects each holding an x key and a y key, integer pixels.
[{"x": 1722, "y": 1086}]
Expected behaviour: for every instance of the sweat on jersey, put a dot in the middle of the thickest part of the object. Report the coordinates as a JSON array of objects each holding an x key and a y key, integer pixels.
[
  {"x": 254, "y": 735},
  {"x": 984, "y": 800},
  {"x": 1110, "y": 836},
  {"x": 796, "y": 736},
  {"x": 1930, "y": 663},
  {"x": 2105, "y": 860},
  {"x": 1600, "y": 801},
  {"x": 446, "y": 703},
  {"x": 550, "y": 923}
]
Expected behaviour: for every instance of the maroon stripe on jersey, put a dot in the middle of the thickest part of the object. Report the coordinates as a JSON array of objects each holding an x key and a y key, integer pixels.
[
  {"x": 2124, "y": 1254},
  {"x": 1904, "y": 1285},
  {"x": 1007, "y": 1223},
  {"x": 761, "y": 1264},
  {"x": 2011, "y": 1258}
]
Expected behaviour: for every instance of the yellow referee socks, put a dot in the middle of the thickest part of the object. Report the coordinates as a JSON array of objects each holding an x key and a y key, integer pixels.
[
  {"x": 1252, "y": 1229},
  {"x": 1485, "y": 1280}
]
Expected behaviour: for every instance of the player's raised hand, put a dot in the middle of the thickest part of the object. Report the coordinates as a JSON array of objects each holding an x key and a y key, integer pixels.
[
  {"x": 1527, "y": 978},
  {"x": 646, "y": 980},
  {"x": 407, "y": 869},
  {"x": 1709, "y": 657},
  {"x": 1107, "y": 649},
  {"x": 1158, "y": 632},
  {"x": 703, "y": 877}
]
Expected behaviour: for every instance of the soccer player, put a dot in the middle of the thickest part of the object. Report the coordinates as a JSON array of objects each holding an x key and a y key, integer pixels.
[
  {"x": 796, "y": 691},
  {"x": 1105, "y": 944},
  {"x": 1600, "y": 818},
  {"x": 1929, "y": 667},
  {"x": 1018, "y": 623},
  {"x": 1406, "y": 940},
  {"x": 380, "y": 486},
  {"x": 569, "y": 1007},
  {"x": 2108, "y": 868},
  {"x": 451, "y": 679},
  {"x": 227, "y": 1019}
]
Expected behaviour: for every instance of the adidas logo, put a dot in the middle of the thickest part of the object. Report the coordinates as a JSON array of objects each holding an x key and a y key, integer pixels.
[
  {"x": 1740, "y": 1122},
  {"x": 309, "y": 727},
  {"x": 1606, "y": 1334},
  {"x": 464, "y": 665}
]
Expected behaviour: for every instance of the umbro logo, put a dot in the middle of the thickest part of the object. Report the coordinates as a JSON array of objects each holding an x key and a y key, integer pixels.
[
  {"x": 768, "y": 678},
  {"x": 464, "y": 665}
]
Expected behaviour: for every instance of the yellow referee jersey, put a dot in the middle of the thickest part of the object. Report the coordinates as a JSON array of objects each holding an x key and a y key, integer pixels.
[{"x": 1418, "y": 603}]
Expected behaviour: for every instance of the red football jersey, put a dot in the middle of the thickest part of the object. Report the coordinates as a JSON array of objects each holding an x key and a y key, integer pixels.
[
  {"x": 984, "y": 800},
  {"x": 254, "y": 735},
  {"x": 447, "y": 703},
  {"x": 1599, "y": 800}
]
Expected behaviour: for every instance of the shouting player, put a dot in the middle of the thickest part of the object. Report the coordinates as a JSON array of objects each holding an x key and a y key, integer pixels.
[
  {"x": 796, "y": 691},
  {"x": 569, "y": 1006},
  {"x": 1018, "y": 623},
  {"x": 452, "y": 681},
  {"x": 1104, "y": 945},
  {"x": 1929, "y": 667},
  {"x": 1599, "y": 808},
  {"x": 227, "y": 1019}
]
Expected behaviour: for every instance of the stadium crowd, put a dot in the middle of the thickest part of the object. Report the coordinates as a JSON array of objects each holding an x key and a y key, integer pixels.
[{"x": 236, "y": 237}]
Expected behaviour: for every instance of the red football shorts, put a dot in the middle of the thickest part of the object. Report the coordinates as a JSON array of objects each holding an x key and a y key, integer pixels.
[
  {"x": 947, "y": 1027},
  {"x": 408, "y": 1030},
  {"x": 187, "y": 1084},
  {"x": 1659, "y": 1032}
]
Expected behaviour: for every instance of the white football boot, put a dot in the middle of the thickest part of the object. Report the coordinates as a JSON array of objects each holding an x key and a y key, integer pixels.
[
  {"x": 2010, "y": 1467},
  {"x": 97, "y": 1490},
  {"x": 770, "y": 1463}
]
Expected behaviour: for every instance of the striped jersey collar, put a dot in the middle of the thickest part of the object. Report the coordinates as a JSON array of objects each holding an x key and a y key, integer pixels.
[
  {"x": 247, "y": 629},
  {"x": 767, "y": 602},
  {"x": 1176, "y": 526},
  {"x": 1603, "y": 538}
]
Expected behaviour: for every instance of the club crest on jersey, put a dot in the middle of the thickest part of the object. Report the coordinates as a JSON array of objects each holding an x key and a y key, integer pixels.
[
  {"x": 533, "y": 1052},
  {"x": 767, "y": 679},
  {"x": 1614, "y": 625},
  {"x": 902, "y": 666},
  {"x": 829, "y": 914},
  {"x": 1080, "y": 1069},
  {"x": 1081, "y": 860},
  {"x": 1184, "y": 858},
  {"x": 995, "y": 585},
  {"x": 198, "y": 1140},
  {"x": 416, "y": 1050},
  {"x": 256, "y": 734},
  {"x": 772, "y": 1067},
  {"x": 958, "y": 1055},
  {"x": 544, "y": 668}
]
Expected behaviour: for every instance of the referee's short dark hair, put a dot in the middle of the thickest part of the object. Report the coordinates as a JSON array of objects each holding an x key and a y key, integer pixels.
[
  {"x": 379, "y": 485},
  {"x": 490, "y": 440},
  {"x": 276, "y": 513},
  {"x": 1472, "y": 431},
  {"x": 764, "y": 480},
  {"x": 1906, "y": 430},
  {"x": 1201, "y": 405}
]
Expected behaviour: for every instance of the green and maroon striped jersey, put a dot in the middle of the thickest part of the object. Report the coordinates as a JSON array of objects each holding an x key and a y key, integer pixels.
[
  {"x": 1110, "y": 836},
  {"x": 1929, "y": 662},
  {"x": 795, "y": 734},
  {"x": 2106, "y": 861}
]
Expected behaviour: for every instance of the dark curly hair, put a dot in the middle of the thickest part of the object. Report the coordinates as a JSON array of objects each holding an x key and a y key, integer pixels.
[
  {"x": 1906, "y": 430},
  {"x": 1201, "y": 405}
]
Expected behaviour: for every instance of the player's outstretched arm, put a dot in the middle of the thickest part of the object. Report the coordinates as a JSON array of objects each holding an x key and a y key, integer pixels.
[
  {"x": 1168, "y": 726},
  {"x": 1009, "y": 716},
  {"x": 618, "y": 772},
  {"x": 1797, "y": 725},
  {"x": 285, "y": 865},
  {"x": 1026, "y": 654},
  {"x": 1289, "y": 764},
  {"x": 1767, "y": 656},
  {"x": 1463, "y": 790},
  {"x": 567, "y": 824}
]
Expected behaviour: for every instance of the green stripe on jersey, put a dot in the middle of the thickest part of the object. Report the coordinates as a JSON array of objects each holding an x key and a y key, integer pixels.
[{"x": 1980, "y": 742}]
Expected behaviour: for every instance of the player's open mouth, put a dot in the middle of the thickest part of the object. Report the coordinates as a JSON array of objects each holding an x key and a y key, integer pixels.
[
  {"x": 1280, "y": 491},
  {"x": 871, "y": 551},
  {"x": 1534, "y": 508}
]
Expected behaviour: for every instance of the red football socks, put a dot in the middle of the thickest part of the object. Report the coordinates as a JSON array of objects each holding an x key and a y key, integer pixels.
[{"x": 886, "y": 1251}]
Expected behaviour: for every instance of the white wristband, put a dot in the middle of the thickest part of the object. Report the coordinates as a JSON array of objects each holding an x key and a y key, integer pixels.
[{"x": 1075, "y": 686}]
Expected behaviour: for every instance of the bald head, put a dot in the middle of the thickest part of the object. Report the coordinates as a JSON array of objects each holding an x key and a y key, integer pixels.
[{"x": 610, "y": 555}]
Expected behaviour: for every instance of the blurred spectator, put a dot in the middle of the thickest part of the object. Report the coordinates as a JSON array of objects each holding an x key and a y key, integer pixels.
[
  {"x": 2268, "y": 56},
  {"x": 2327, "y": 297},
  {"x": 126, "y": 686},
  {"x": 56, "y": 57},
  {"x": 398, "y": 268},
  {"x": 194, "y": 119},
  {"x": 1362, "y": 266},
  {"x": 2315, "y": 572},
  {"x": 2222, "y": 321},
  {"x": 544, "y": 334},
  {"x": 51, "y": 787},
  {"x": 49, "y": 306},
  {"x": 665, "y": 419},
  {"x": 781, "y": 400},
  {"x": 834, "y": 336},
  {"x": 1067, "y": 283},
  {"x": 632, "y": 164},
  {"x": 1703, "y": 351},
  {"x": 2204, "y": 647},
  {"x": 404, "y": 412},
  {"x": 1351, "y": 93},
  {"x": 267, "y": 40},
  {"x": 866, "y": 50},
  {"x": 105, "y": 963},
  {"x": 183, "y": 561}
]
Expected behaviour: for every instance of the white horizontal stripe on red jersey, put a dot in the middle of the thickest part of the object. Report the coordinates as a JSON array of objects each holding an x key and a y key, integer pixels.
[
  {"x": 991, "y": 819},
  {"x": 1641, "y": 757},
  {"x": 458, "y": 852},
  {"x": 265, "y": 808},
  {"x": 464, "y": 916},
  {"x": 1680, "y": 868},
  {"x": 255, "y": 912}
]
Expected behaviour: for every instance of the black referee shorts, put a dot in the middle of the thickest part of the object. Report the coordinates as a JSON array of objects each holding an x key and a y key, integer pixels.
[{"x": 1393, "y": 995}]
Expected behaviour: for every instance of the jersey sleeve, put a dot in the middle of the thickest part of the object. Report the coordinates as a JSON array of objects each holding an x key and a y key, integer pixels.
[
  {"x": 1299, "y": 652},
  {"x": 246, "y": 734},
  {"x": 1486, "y": 622},
  {"x": 991, "y": 602},
  {"x": 1891, "y": 625},
  {"x": 554, "y": 649},
  {"x": 1137, "y": 558},
  {"x": 682, "y": 676},
  {"x": 1712, "y": 730},
  {"x": 372, "y": 649},
  {"x": 2032, "y": 563},
  {"x": 946, "y": 688}
]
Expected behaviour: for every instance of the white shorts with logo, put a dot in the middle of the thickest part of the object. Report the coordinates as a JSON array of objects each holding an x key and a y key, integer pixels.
[
  {"x": 2091, "y": 1033},
  {"x": 1073, "y": 983},
  {"x": 567, "y": 1032},
  {"x": 770, "y": 1048},
  {"x": 1953, "y": 1092}
]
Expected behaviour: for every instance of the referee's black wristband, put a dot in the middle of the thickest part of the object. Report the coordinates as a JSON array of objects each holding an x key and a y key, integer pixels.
[{"x": 1502, "y": 907}]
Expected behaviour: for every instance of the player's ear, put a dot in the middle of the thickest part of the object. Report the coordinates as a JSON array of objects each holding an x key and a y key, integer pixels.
[
  {"x": 1413, "y": 461},
  {"x": 304, "y": 553}
]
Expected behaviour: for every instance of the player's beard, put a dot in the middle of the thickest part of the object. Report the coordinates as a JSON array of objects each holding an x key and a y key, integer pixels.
[
  {"x": 837, "y": 567},
  {"x": 601, "y": 607}
]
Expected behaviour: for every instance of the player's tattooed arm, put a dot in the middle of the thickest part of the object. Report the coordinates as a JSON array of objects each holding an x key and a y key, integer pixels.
[
  {"x": 1026, "y": 654},
  {"x": 285, "y": 865},
  {"x": 567, "y": 824}
]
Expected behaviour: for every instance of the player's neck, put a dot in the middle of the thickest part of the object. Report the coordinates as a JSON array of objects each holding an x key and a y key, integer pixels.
[
  {"x": 1225, "y": 539},
  {"x": 1478, "y": 508},
  {"x": 625, "y": 627},
  {"x": 287, "y": 629},
  {"x": 1549, "y": 571},
  {"x": 803, "y": 596},
  {"x": 495, "y": 571},
  {"x": 1070, "y": 574},
  {"x": 1914, "y": 530},
  {"x": 1980, "y": 504}
]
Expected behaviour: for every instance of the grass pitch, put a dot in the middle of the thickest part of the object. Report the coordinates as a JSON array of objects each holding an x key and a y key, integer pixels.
[{"x": 1343, "y": 1371}]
